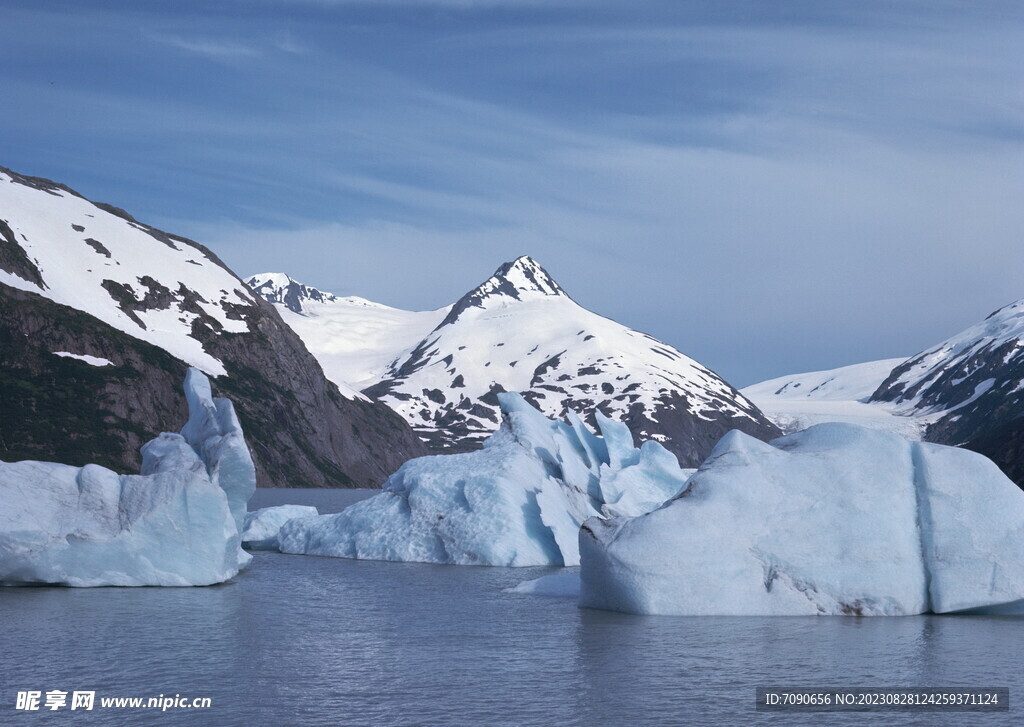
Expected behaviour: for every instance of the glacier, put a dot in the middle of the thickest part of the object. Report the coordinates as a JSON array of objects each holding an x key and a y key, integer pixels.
[
  {"x": 519, "y": 501},
  {"x": 261, "y": 526},
  {"x": 836, "y": 519},
  {"x": 175, "y": 524}
]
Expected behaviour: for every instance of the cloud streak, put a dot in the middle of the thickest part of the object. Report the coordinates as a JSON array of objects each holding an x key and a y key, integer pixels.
[
  {"x": 769, "y": 193},
  {"x": 213, "y": 48}
]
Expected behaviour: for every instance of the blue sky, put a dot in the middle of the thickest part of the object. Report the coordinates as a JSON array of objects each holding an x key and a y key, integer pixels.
[{"x": 771, "y": 187}]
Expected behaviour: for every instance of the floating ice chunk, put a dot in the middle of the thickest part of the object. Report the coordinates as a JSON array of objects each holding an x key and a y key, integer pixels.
[
  {"x": 214, "y": 432},
  {"x": 478, "y": 508},
  {"x": 1014, "y": 608},
  {"x": 517, "y": 502},
  {"x": 557, "y": 585},
  {"x": 836, "y": 519},
  {"x": 91, "y": 527},
  {"x": 262, "y": 526},
  {"x": 170, "y": 526}
]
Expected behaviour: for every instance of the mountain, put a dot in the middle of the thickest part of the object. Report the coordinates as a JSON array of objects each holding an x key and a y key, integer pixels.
[
  {"x": 517, "y": 331},
  {"x": 100, "y": 315},
  {"x": 971, "y": 386},
  {"x": 279, "y": 288},
  {"x": 798, "y": 401}
]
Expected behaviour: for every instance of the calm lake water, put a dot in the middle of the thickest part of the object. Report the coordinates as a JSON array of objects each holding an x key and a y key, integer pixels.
[{"x": 300, "y": 640}]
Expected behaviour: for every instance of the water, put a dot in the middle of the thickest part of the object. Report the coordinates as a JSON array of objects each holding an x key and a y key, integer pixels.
[{"x": 300, "y": 640}]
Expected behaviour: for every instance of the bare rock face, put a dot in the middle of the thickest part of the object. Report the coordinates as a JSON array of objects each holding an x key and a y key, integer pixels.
[
  {"x": 89, "y": 280},
  {"x": 1004, "y": 445}
]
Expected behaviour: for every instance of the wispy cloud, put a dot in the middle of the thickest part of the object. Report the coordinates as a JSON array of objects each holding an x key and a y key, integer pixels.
[
  {"x": 290, "y": 43},
  {"x": 217, "y": 49}
]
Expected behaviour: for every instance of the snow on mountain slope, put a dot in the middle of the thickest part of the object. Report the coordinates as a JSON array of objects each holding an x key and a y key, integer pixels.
[
  {"x": 971, "y": 386},
  {"x": 101, "y": 314},
  {"x": 847, "y": 383},
  {"x": 99, "y": 260},
  {"x": 800, "y": 401},
  {"x": 988, "y": 356},
  {"x": 519, "y": 331},
  {"x": 279, "y": 288},
  {"x": 354, "y": 339}
]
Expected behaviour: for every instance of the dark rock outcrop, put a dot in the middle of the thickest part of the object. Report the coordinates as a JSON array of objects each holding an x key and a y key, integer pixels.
[
  {"x": 1004, "y": 445},
  {"x": 303, "y": 432}
]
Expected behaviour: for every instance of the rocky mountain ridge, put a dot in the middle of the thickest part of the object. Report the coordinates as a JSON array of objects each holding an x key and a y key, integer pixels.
[{"x": 87, "y": 279}]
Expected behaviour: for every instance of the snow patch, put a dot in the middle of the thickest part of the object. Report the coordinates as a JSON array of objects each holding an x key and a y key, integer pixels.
[{"x": 91, "y": 360}]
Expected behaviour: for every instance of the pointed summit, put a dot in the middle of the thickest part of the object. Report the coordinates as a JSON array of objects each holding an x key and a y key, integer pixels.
[
  {"x": 523, "y": 275},
  {"x": 521, "y": 279},
  {"x": 283, "y": 289},
  {"x": 520, "y": 332}
]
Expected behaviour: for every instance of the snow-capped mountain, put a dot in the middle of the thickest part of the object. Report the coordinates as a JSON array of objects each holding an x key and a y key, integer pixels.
[
  {"x": 520, "y": 331},
  {"x": 972, "y": 387},
  {"x": 977, "y": 371},
  {"x": 798, "y": 401},
  {"x": 279, "y": 288},
  {"x": 153, "y": 286},
  {"x": 100, "y": 316},
  {"x": 354, "y": 339}
]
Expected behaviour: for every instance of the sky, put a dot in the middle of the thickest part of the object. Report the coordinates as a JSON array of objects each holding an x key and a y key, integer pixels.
[{"x": 770, "y": 187}]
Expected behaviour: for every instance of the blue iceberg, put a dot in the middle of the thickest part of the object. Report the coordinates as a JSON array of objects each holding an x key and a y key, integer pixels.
[{"x": 519, "y": 501}]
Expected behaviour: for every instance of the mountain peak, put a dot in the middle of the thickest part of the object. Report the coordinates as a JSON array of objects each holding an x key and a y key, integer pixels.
[
  {"x": 277, "y": 280},
  {"x": 524, "y": 275},
  {"x": 520, "y": 279},
  {"x": 282, "y": 288}
]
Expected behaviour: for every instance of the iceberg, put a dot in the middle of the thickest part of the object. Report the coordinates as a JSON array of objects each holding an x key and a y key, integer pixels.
[
  {"x": 175, "y": 524},
  {"x": 261, "y": 526},
  {"x": 519, "y": 501},
  {"x": 214, "y": 433},
  {"x": 836, "y": 519}
]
